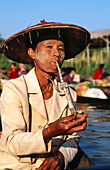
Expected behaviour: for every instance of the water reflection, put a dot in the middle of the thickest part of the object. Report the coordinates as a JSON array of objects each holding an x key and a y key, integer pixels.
[{"x": 95, "y": 140}]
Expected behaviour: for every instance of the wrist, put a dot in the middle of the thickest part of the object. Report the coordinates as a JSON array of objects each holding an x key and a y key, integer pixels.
[{"x": 46, "y": 135}]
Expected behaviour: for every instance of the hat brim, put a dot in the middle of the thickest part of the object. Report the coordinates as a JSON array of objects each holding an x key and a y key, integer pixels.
[{"x": 76, "y": 40}]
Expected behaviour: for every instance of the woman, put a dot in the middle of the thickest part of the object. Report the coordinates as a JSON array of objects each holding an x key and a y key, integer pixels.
[{"x": 38, "y": 128}]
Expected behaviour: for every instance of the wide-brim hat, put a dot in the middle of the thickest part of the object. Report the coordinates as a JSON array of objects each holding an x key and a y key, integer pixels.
[{"x": 74, "y": 37}]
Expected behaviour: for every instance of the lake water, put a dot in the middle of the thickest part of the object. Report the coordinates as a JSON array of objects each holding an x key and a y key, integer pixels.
[{"x": 95, "y": 140}]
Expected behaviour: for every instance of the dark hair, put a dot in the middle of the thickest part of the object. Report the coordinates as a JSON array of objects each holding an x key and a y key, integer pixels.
[
  {"x": 3, "y": 68},
  {"x": 101, "y": 65},
  {"x": 69, "y": 69},
  {"x": 13, "y": 64}
]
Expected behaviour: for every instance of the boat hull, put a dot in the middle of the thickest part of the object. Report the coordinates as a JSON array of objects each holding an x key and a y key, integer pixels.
[{"x": 100, "y": 103}]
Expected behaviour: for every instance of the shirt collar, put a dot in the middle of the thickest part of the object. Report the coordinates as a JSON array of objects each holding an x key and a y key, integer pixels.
[
  {"x": 71, "y": 75},
  {"x": 32, "y": 82}
]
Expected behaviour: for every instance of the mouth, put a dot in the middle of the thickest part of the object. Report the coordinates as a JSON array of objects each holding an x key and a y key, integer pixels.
[{"x": 54, "y": 63}]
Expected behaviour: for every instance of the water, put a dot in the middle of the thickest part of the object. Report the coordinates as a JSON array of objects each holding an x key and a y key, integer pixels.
[{"x": 95, "y": 140}]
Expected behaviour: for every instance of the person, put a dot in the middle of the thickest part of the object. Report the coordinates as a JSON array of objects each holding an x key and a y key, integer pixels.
[
  {"x": 22, "y": 69},
  {"x": 3, "y": 78},
  {"x": 3, "y": 73},
  {"x": 13, "y": 71},
  {"x": 98, "y": 72},
  {"x": 38, "y": 130},
  {"x": 76, "y": 78},
  {"x": 71, "y": 77}
]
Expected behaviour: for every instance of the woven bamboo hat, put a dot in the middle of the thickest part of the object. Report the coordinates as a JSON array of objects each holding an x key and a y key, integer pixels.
[{"x": 74, "y": 37}]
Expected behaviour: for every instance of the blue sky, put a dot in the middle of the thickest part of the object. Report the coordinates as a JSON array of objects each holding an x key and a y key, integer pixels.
[{"x": 16, "y": 15}]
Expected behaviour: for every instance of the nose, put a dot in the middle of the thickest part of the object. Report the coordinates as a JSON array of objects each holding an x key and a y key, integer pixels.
[{"x": 56, "y": 52}]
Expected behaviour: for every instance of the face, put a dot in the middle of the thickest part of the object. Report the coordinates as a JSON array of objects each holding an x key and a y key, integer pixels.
[
  {"x": 73, "y": 72},
  {"x": 46, "y": 52},
  {"x": 12, "y": 66}
]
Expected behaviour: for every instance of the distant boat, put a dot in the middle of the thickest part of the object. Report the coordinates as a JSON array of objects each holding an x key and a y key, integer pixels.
[{"x": 100, "y": 103}]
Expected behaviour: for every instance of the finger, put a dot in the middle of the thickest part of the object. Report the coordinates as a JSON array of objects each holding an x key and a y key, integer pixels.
[
  {"x": 76, "y": 122},
  {"x": 57, "y": 168},
  {"x": 74, "y": 115},
  {"x": 83, "y": 118},
  {"x": 55, "y": 165},
  {"x": 48, "y": 164},
  {"x": 69, "y": 118},
  {"x": 79, "y": 128},
  {"x": 85, "y": 115}
]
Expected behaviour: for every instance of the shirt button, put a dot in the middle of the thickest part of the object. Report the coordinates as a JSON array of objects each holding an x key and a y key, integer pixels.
[{"x": 40, "y": 127}]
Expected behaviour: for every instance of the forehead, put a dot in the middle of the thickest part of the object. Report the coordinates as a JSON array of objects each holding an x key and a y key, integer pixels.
[{"x": 51, "y": 41}]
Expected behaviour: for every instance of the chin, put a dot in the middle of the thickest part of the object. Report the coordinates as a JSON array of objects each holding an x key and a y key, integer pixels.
[{"x": 53, "y": 72}]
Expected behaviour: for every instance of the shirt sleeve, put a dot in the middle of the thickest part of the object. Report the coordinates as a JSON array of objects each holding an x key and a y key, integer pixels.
[
  {"x": 14, "y": 126},
  {"x": 69, "y": 149}
]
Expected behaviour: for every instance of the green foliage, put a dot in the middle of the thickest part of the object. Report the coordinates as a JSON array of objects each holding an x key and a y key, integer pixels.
[
  {"x": 66, "y": 64},
  {"x": 4, "y": 62},
  {"x": 1, "y": 40},
  {"x": 82, "y": 66}
]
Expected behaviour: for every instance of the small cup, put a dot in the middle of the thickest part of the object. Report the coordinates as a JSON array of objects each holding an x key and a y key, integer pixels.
[{"x": 79, "y": 114}]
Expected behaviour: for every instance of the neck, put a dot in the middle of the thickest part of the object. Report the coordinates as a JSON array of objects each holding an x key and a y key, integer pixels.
[{"x": 45, "y": 82}]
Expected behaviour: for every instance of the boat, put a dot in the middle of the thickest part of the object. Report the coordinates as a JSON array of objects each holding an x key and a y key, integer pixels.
[
  {"x": 82, "y": 162},
  {"x": 98, "y": 102},
  {"x": 104, "y": 167}
]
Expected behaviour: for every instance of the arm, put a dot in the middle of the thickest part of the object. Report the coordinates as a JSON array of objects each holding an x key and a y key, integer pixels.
[
  {"x": 9, "y": 72},
  {"x": 15, "y": 137},
  {"x": 66, "y": 126},
  {"x": 68, "y": 148}
]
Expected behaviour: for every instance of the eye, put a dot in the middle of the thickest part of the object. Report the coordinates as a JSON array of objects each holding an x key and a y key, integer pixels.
[
  {"x": 48, "y": 46},
  {"x": 61, "y": 49}
]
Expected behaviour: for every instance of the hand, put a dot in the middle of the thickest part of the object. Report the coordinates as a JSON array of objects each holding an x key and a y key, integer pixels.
[
  {"x": 56, "y": 162},
  {"x": 65, "y": 126}
]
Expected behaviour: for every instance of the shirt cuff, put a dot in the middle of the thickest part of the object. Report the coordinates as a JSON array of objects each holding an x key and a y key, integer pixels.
[{"x": 69, "y": 149}]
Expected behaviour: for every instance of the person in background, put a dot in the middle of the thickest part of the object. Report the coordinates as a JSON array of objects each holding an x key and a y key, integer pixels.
[
  {"x": 39, "y": 131},
  {"x": 3, "y": 73},
  {"x": 71, "y": 77},
  {"x": 98, "y": 72},
  {"x": 76, "y": 78},
  {"x": 13, "y": 71},
  {"x": 23, "y": 70}
]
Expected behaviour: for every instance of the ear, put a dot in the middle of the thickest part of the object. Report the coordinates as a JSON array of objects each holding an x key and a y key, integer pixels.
[{"x": 31, "y": 53}]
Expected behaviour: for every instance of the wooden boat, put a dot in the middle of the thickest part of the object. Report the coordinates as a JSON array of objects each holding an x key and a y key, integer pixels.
[
  {"x": 100, "y": 103},
  {"x": 81, "y": 162},
  {"x": 104, "y": 167}
]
